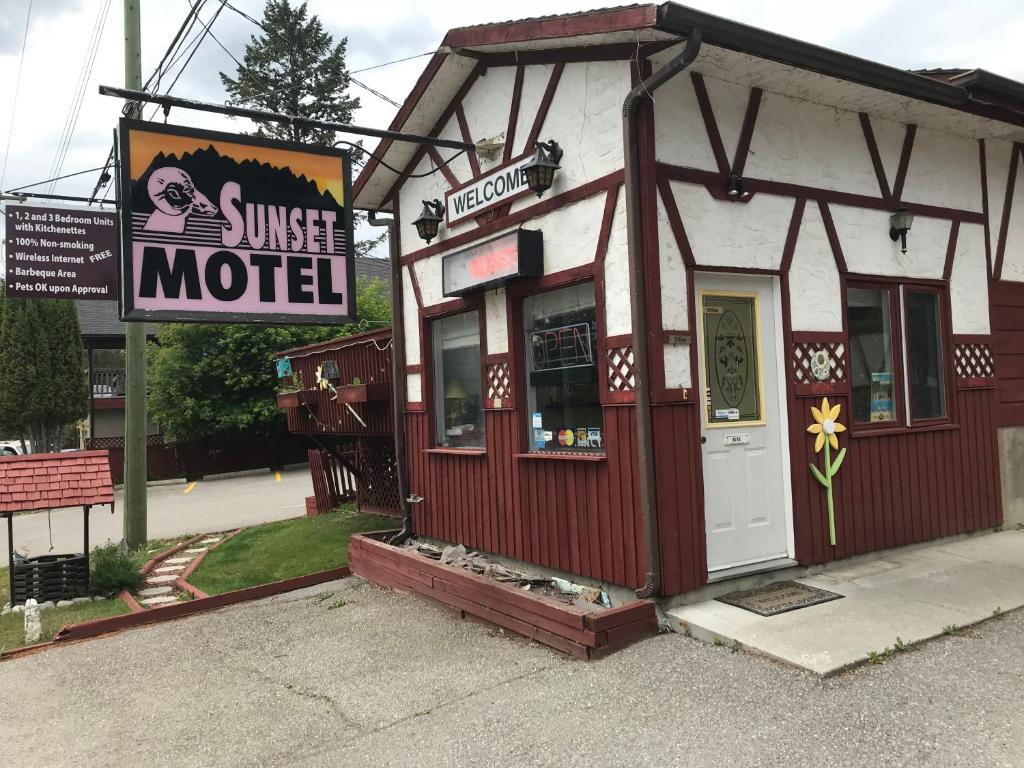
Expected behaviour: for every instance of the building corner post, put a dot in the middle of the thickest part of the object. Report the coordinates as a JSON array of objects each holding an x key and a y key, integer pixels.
[
  {"x": 638, "y": 305},
  {"x": 398, "y": 392}
]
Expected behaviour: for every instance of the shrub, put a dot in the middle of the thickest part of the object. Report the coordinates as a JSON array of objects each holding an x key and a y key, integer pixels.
[{"x": 113, "y": 570}]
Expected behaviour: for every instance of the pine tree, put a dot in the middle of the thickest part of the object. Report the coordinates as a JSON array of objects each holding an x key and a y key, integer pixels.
[
  {"x": 294, "y": 67},
  {"x": 42, "y": 386}
]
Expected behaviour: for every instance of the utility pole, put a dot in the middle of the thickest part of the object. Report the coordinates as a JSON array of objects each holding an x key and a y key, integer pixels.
[{"x": 134, "y": 337}]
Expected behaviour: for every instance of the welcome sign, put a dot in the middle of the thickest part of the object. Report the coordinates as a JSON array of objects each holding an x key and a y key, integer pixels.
[
  {"x": 223, "y": 228},
  {"x": 502, "y": 185}
]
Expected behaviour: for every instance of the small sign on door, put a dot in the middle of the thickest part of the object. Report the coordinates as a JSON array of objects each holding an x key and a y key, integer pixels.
[{"x": 741, "y": 439}]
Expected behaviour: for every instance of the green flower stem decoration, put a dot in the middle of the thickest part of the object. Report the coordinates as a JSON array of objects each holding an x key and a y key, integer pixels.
[{"x": 825, "y": 427}]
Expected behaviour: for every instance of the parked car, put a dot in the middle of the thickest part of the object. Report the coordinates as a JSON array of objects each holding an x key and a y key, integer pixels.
[{"x": 13, "y": 447}]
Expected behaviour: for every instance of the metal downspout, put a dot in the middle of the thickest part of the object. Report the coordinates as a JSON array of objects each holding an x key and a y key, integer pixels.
[
  {"x": 397, "y": 372},
  {"x": 638, "y": 305}
]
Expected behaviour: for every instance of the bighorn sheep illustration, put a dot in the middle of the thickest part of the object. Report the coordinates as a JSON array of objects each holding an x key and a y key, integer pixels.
[{"x": 175, "y": 198}]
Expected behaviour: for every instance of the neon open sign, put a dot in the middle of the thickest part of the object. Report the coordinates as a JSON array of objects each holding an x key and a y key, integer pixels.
[
  {"x": 493, "y": 263},
  {"x": 568, "y": 346}
]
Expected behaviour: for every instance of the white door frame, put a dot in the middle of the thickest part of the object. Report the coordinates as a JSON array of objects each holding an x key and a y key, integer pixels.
[{"x": 782, "y": 363}]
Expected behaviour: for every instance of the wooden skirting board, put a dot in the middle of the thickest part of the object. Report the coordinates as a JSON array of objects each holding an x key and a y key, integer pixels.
[{"x": 566, "y": 628}]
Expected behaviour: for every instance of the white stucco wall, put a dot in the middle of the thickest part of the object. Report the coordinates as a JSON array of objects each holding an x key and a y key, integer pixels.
[
  {"x": 868, "y": 249},
  {"x": 968, "y": 287},
  {"x": 944, "y": 170},
  {"x": 616, "y": 275},
  {"x": 680, "y": 137},
  {"x": 677, "y": 366},
  {"x": 799, "y": 142},
  {"x": 889, "y": 136},
  {"x": 414, "y": 388},
  {"x": 814, "y": 293},
  {"x": 674, "y": 293},
  {"x": 487, "y": 107},
  {"x": 1013, "y": 255},
  {"x": 410, "y": 316},
  {"x": 460, "y": 165},
  {"x": 428, "y": 274},
  {"x": 535, "y": 81},
  {"x": 727, "y": 234},
  {"x": 496, "y": 322}
]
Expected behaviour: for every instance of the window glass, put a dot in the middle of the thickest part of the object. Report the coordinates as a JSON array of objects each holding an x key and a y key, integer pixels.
[
  {"x": 458, "y": 402},
  {"x": 924, "y": 353},
  {"x": 730, "y": 358},
  {"x": 561, "y": 369},
  {"x": 868, "y": 317}
]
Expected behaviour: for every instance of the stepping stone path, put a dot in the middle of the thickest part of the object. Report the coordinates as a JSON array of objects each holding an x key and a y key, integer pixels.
[{"x": 160, "y": 586}]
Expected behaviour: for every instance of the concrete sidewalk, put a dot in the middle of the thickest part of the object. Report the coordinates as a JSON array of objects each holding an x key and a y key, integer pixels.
[
  {"x": 207, "y": 507},
  {"x": 914, "y": 595}
]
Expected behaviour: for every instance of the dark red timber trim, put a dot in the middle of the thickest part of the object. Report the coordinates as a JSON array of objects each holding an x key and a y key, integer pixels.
[
  {"x": 446, "y": 168},
  {"x": 713, "y": 179},
  {"x": 984, "y": 207},
  {"x": 610, "y": 200},
  {"x": 675, "y": 221},
  {"x": 431, "y": 70},
  {"x": 460, "y": 117},
  {"x": 901, "y": 171},
  {"x": 442, "y": 121},
  {"x": 415, "y": 286},
  {"x": 1004, "y": 224},
  {"x": 747, "y": 131},
  {"x": 578, "y": 54},
  {"x": 574, "y": 195},
  {"x": 604, "y": 235},
  {"x": 794, "y": 230},
  {"x": 876, "y": 158},
  {"x": 592, "y": 23},
  {"x": 513, "y": 113},
  {"x": 833, "y": 237},
  {"x": 954, "y": 231},
  {"x": 714, "y": 137},
  {"x": 545, "y": 105}
]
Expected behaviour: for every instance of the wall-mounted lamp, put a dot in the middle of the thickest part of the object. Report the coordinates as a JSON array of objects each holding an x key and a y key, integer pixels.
[
  {"x": 430, "y": 219},
  {"x": 540, "y": 171},
  {"x": 735, "y": 187},
  {"x": 899, "y": 224}
]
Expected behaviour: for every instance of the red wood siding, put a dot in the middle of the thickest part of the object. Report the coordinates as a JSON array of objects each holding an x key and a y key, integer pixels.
[
  {"x": 899, "y": 488},
  {"x": 572, "y": 515},
  {"x": 367, "y": 357},
  {"x": 1008, "y": 345}
]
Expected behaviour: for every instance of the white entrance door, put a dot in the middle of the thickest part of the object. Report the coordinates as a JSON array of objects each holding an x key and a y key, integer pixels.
[{"x": 743, "y": 435}]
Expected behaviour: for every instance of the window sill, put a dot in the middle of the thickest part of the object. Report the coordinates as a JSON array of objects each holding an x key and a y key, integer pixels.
[
  {"x": 562, "y": 456},
  {"x": 457, "y": 451},
  {"x": 902, "y": 430}
]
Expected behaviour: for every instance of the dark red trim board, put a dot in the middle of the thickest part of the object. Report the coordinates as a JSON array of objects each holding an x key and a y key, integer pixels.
[
  {"x": 833, "y": 238},
  {"x": 901, "y": 171},
  {"x": 460, "y": 117},
  {"x": 747, "y": 131},
  {"x": 954, "y": 231},
  {"x": 1004, "y": 224},
  {"x": 513, "y": 113},
  {"x": 545, "y": 105},
  {"x": 668, "y": 199},
  {"x": 446, "y": 169},
  {"x": 876, "y": 158},
  {"x": 791, "y": 235},
  {"x": 710, "y": 124}
]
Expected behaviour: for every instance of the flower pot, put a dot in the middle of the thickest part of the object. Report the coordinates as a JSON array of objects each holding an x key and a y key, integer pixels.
[
  {"x": 303, "y": 398},
  {"x": 364, "y": 393}
]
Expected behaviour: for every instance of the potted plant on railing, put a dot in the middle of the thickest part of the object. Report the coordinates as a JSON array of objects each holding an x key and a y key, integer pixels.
[
  {"x": 358, "y": 392},
  {"x": 293, "y": 393}
]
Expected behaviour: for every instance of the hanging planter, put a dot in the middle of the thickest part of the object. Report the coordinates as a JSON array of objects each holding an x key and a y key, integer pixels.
[
  {"x": 364, "y": 393},
  {"x": 308, "y": 398}
]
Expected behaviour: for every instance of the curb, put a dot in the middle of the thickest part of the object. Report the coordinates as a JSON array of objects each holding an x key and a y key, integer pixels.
[{"x": 85, "y": 630}]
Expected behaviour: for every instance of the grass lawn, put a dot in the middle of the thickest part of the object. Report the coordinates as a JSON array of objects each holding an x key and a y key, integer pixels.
[
  {"x": 283, "y": 550},
  {"x": 12, "y": 626}
]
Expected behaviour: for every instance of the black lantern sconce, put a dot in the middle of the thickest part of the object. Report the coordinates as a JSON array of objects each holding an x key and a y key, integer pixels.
[
  {"x": 735, "y": 187},
  {"x": 540, "y": 171},
  {"x": 899, "y": 224},
  {"x": 430, "y": 219}
]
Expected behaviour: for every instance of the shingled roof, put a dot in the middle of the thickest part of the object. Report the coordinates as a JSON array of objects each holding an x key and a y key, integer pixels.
[{"x": 54, "y": 480}]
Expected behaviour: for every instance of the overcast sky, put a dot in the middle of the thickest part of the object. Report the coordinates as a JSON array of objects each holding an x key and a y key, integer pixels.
[{"x": 910, "y": 34}]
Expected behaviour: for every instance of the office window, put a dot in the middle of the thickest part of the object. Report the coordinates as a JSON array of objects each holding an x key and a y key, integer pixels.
[
  {"x": 562, "y": 353},
  {"x": 925, "y": 373},
  {"x": 458, "y": 397},
  {"x": 869, "y": 317}
]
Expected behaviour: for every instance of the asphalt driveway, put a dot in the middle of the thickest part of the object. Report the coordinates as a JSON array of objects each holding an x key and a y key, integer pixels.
[
  {"x": 370, "y": 677},
  {"x": 215, "y": 504}
]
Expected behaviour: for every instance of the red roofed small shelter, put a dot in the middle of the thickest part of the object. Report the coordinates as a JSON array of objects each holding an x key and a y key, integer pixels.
[{"x": 52, "y": 481}]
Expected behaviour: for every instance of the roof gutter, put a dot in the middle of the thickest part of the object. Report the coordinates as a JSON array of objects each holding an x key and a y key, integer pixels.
[
  {"x": 638, "y": 305},
  {"x": 679, "y": 19}
]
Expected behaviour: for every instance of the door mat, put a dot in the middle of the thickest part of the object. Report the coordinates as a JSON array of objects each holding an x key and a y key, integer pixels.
[{"x": 779, "y": 597}]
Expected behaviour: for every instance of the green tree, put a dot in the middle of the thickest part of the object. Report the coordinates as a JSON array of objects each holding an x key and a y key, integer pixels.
[
  {"x": 294, "y": 67},
  {"x": 42, "y": 386},
  {"x": 210, "y": 380}
]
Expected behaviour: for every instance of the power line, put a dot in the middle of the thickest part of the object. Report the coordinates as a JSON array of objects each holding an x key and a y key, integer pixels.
[
  {"x": 78, "y": 97},
  {"x": 17, "y": 87},
  {"x": 58, "y": 178},
  {"x": 216, "y": 39}
]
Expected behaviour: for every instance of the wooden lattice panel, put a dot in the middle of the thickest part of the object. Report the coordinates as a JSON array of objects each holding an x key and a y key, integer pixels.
[
  {"x": 621, "y": 377},
  {"x": 499, "y": 384},
  {"x": 803, "y": 354},
  {"x": 974, "y": 361}
]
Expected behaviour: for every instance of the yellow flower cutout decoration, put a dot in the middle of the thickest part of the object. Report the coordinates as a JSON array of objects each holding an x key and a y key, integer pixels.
[{"x": 825, "y": 425}]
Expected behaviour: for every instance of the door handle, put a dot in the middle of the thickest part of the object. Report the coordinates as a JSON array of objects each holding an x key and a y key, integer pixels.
[{"x": 703, "y": 440}]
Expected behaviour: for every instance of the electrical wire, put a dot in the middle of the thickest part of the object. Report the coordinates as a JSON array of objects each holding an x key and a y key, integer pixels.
[
  {"x": 198, "y": 43},
  {"x": 56, "y": 178},
  {"x": 396, "y": 170},
  {"x": 78, "y": 97},
  {"x": 217, "y": 40},
  {"x": 17, "y": 87}
]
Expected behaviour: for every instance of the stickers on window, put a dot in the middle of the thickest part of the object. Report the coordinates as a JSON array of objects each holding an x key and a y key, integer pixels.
[
  {"x": 581, "y": 438},
  {"x": 594, "y": 437},
  {"x": 538, "y": 438},
  {"x": 548, "y": 435},
  {"x": 881, "y": 397},
  {"x": 566, "y": 438},
  {"x": 538, "y": 420},
  {"x": 727, "y": 414}
]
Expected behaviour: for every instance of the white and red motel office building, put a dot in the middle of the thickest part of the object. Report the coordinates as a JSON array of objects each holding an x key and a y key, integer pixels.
[{"x": 771, "y": 178}]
